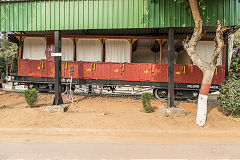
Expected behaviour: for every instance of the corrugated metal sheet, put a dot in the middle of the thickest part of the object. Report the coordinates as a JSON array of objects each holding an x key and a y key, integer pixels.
[{"x": 111, "y": 14}]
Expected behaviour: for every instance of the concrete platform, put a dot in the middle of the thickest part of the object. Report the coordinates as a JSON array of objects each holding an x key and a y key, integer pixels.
[
  {"x": 56, "y": 108},
  {"x": 172, "y": 111}
]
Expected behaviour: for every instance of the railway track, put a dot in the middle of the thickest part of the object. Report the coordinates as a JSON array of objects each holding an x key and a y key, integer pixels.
[
  {"x": 136, "y": 95},
  {"x": 106, "y": 95}
]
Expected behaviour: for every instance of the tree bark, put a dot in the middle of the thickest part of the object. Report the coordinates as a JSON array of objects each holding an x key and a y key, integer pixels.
[
  {"x": 208, "y": 69},
  {"x": 203, "y": 95},
  {"x": 230, "y": 53}
]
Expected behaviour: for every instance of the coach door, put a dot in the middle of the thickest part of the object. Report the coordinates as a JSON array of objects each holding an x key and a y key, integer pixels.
[
  {"x": 68, "y": 48},
  {"x": 88, "y": 55},
  {"x": 118, "y": 55}
]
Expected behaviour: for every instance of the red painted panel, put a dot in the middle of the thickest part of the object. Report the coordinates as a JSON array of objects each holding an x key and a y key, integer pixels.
[
  {"x": 115, "y": 72},
  {"x": 22, "y": 67},
  {"x": 130, "y": 72},
  {"x": 101, "y": 71},
  {"x": 50, "y": 68},
  {"x": 145, "y": 72},
  {"x": 87, "y": 70},
  {"x": 44, "y": 68},
  {"x": 77, "y": 70},
  {"x": 187, "y": 74},
  {"x": 159, "y": 73},
  {"x": 219, "y": 75},
  {"x": 182, "y": 73},
  {"x": 30, "y": 68},
  {"x": 65, "y": 67},
  {"x": 68, "y": 66},
  {"x": 192, "y": 74}
]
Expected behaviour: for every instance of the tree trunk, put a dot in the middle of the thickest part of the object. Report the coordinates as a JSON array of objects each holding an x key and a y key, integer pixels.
[
  {"x": 208, "y": 69},
  {"x": 203, "y": 96}
]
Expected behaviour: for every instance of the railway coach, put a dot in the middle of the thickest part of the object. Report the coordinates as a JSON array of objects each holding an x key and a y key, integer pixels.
[{"x": 117, "y": 46}]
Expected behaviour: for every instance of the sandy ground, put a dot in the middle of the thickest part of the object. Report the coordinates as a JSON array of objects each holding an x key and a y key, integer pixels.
[{"x": 104, "y": 113}]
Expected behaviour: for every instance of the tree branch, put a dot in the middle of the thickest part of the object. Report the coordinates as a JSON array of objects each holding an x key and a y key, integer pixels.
[
  {"x": 198, "y": 22},
  {"x": 219, "y": 43},
  {"x": 190, "y": 45}
]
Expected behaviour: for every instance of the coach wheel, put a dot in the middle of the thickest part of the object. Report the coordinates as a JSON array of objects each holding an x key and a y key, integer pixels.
[
  {"x": 40, "y": 87},
  {"x": 160, "y": 93},
  {"x": 63, "y": 89}
]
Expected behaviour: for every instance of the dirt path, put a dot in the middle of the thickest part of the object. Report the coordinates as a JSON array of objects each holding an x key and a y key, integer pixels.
[{"x": 104, "y": 113}]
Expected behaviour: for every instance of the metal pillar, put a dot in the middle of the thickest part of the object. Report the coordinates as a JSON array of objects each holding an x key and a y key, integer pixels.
[
  {"x": 171, "y": 68},
  {"x": 57, "y": 87},
  {"x": 6, "y": 76}
]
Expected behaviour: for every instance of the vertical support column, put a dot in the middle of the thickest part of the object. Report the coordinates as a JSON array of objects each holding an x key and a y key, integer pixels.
[
  {"x": 57, "y": 87},
  {"x": 6, "y": 76},
  {"x": 160, "y": 58},
  {"x": 171, "y": 68}
]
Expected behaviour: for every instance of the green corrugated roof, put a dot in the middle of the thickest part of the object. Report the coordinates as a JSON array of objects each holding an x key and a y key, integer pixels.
[{"x": 111, "y": 14}]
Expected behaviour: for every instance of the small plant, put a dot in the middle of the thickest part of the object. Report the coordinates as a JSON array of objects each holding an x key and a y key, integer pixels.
[
  {"x": 31, "y": 96},
  {"x": 146, "y": 102},
  {"x": 229, "y": 98}
]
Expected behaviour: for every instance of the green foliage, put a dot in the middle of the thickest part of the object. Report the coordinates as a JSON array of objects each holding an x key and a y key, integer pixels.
[
  {"x": 7, "y": 48},
  {"x": 235, "y": 62},
  {"x": 229, "y": 98},
  {"x": 146, "y": 102},
  {"x": 237, "y": 40},
  {"x": 31, "y": 96}
]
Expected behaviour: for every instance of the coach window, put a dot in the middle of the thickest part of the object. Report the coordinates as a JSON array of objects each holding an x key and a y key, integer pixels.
[
  {"x": 145, "y": 51},
  {"x": 34, "y": 48},
  {"x": 89, "y": 50},
  {"x": 67, "y": 49},
  {"x": 180, "y": 56},
  {"x": 205, "y": 49},
  {"x": 117, "y": 51}
]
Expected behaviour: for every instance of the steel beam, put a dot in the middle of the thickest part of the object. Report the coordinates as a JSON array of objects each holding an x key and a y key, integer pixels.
[
  {"x": 171, "y": 67},
  {"x": 57, "y": 85}
]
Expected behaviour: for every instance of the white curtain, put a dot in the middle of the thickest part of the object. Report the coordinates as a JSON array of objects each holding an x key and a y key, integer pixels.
[
  {"x": 89, "y": 50},
  {"x": 34, "y": 48},
  {"x": 117, "y": 50},
  {"x": 205, "y": 49},
  {"x": 67, "y": 49}
]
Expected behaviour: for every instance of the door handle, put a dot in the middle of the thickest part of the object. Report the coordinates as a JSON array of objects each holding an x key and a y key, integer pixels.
[
  {"x": 93, "y": 65},
  {"x": 184, "y": 69},
  {"x": 123, "y": 67},
  {"x": 66, "y": 65},
  {"x": 42, "y": 64},
  {"x": 152, "y": 68}
]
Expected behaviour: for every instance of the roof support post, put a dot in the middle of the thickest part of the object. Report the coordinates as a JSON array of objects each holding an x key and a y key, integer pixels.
[
  {"x": 57, "y": 87},
  {"x": 171, "y": 67}
]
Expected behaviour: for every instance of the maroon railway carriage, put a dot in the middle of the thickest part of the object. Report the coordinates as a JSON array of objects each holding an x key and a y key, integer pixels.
[{"x": 111, "y": 62}]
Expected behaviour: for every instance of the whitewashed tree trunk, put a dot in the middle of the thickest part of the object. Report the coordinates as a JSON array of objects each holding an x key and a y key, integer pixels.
[
  {"x": 203, "y": 96},
  {"x": 208, "y": 69}
]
